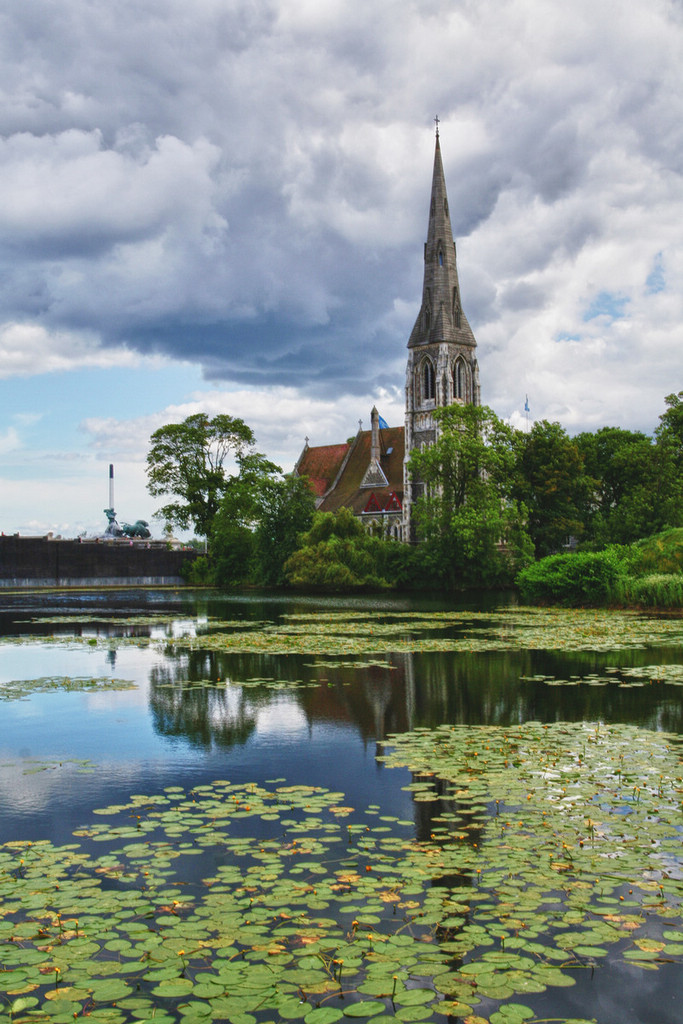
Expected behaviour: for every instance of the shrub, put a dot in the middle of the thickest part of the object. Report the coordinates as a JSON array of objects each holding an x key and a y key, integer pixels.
[
  {"x": 338, "y": 554},
  {"x": 198, "y": 572},
  {"x": 574, "y": 579}
]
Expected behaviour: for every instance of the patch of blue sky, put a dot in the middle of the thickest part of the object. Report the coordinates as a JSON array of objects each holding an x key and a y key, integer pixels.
[
  {"x": 566, "y": 336},
  {"x": 607, "y": 305},
  {"x": 655, "y": 281},
  {"x": 45, "y": 411}
]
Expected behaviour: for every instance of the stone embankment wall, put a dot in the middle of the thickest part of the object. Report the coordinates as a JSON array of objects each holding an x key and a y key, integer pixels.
[{"x": 44, "y": 562}]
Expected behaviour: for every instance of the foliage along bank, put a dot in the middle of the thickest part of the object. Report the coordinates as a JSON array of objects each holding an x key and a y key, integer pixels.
[
  {"x": 491, "y": 500},
  {"x": 647, "y": 574}
]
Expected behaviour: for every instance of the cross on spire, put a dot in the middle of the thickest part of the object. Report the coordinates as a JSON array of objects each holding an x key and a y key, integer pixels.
[{"x": 437, "y": 122}]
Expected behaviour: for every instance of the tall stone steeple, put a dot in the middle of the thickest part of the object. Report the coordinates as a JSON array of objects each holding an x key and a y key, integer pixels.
[{"x": 442, "y": 365}]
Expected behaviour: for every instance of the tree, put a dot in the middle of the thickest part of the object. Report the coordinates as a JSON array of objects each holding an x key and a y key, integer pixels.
[
  {"x": 338, "y": 554},
  {"x": 286, "y": 509},
  {"x": 670, "y": 429},
  {"x": 258, "y": 524},
  {"x": 637, "y": 490},
  {"x": 187, "y": 461},
  {"x": 233, "y": 530},
  {"x": 472, "y": 528},
  {"x": 551, "y": 481}
]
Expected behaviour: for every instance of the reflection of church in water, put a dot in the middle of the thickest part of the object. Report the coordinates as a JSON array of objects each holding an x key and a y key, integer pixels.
[{"x": 369, "y": 473}]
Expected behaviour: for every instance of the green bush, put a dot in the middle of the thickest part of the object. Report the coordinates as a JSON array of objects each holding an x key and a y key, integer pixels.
[
  {"x": 198, "y": 572},
  {"x": 573, "y": 579},
  {"x": 338, "y": 554}
]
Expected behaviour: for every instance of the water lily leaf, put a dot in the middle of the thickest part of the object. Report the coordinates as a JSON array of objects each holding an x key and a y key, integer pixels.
[
  {"x": 365, "y": 1008},
  {"x": 323, "y": 1015},
  {"x": 173, "y": 988}
]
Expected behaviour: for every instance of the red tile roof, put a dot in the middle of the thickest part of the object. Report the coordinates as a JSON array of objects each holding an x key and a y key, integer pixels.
[
  {"x": 349, "y": 494},
  {"x": 321, "y": 465}
]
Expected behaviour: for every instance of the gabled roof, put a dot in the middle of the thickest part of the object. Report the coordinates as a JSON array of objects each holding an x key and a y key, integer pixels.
[
  {"x": 321, "y": 465},
  {"x": 348, "y": 492}
]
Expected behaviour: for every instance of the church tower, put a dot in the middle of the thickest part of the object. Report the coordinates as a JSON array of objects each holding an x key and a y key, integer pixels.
[{"x": 442, "y": 365}]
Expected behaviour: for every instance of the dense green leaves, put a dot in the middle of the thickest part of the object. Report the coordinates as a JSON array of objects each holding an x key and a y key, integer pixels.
[
  {"x": 645, "y": 574},
  {"x": 638, "y": 485},
  {"x": 579, "y": 578},
  {"x": 471, "y": 527},
  {"x": 188, "y": 462},
  {"x": 338, "y": 554},
  {"x": 551, "y": 482}
]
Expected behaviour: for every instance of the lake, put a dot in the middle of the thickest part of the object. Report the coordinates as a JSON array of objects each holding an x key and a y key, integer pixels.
[{"x": 268, "y": 808}]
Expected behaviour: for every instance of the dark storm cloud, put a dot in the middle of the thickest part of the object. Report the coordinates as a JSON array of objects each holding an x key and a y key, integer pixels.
[{"x": 246, "y": 185}]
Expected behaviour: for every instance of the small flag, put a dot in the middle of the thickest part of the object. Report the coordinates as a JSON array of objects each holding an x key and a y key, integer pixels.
[
  {"x": 526, "y": 403},
  {"x": 383, "y": 425}
]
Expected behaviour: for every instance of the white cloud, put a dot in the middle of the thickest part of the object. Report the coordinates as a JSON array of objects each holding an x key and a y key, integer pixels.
[
  {"x": 245, "y": 187},
  {"x": 27, "y": 349},
  {"x": 9, "y": 441},
  {"x": 281, "y": 419}
]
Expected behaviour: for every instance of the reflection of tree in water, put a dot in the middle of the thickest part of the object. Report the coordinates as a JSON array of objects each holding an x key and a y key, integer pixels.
[
  {"x": 205, "y": 715},
  {"x": 399, "y": 692},
  {"x": 487, "y": 688},
  {"x": 374, "y": 698}
]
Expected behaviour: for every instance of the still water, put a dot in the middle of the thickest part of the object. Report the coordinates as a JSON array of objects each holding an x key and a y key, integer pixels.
[{"x": 65, "y": 753}]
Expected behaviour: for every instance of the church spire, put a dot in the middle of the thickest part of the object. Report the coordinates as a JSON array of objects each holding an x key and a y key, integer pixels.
[
  {"x": 442, "y": 363},
  {"x": 441, "y": 318}
]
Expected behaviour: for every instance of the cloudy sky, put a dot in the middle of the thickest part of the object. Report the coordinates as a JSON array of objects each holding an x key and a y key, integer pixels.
[{"x": 221, "y": 205}]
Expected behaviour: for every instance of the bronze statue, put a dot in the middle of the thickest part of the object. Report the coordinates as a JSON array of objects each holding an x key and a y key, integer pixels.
[{"x": 137, "y": 529}]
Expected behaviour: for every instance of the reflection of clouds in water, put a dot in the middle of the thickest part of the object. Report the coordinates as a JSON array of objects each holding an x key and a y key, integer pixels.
[
  {"x": 36, "y": 660},
  {"x": 28, "y": 792},
  {"x": 33, "y": 661},
  {"x": 117, "y": 700},
  {"x": 179, "y": 627},
  {"x": 229, "y": 704},
  {"x": 24, "y": 788},
  {"x": 281, "y": 717}
]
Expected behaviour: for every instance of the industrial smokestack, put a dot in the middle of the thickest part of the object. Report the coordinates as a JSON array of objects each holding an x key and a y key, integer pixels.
[{"x": 111, "y": 485}]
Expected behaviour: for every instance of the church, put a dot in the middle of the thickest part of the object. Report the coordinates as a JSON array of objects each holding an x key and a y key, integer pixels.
[{"x": 369, "y": 474}]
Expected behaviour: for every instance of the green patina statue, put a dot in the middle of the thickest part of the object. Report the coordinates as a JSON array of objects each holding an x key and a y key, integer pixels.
[{"x": 139, "y": 529}]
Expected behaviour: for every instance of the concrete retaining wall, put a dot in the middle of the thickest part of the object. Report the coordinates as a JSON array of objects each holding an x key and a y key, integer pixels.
[{"x": 43, "y": 562}]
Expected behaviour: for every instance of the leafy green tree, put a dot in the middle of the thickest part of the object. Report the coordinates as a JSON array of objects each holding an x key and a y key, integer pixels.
[
  {"x": 286, "y": 507},
  {"x": 337, "y": 554},
  {"x": 637, "y": 490},
  {"x": 551, "y": 482},
  {"x": 234, "y": 526},
  {"x": 187, "y": 461},
  {"x": 472, "y": 529},
  {"x": 670, "y": 429}
]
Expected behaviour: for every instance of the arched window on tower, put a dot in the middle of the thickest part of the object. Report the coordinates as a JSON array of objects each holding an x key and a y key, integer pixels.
[
  {"x": 461, "y": 380},
  {"x": 428, "y": 381},
  {"x": 440, "y": 257}
]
